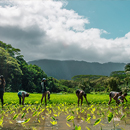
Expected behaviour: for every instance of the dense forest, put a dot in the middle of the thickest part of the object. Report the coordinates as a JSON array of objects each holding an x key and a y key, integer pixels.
[{"x": 20, "y": 75}]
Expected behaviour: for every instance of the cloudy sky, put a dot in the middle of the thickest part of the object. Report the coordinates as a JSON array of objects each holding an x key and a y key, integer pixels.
[{"x": 88, "y": 30}]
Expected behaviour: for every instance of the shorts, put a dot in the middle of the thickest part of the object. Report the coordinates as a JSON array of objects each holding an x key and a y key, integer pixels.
[
  {"x": 1, "y": 94},
  {"x": 77, "y": 91},
  {"x": 44, "y": 90}
]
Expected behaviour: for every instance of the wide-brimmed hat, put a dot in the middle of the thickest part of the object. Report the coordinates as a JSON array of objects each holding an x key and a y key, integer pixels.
[
  {"x": 1, "y": 76},
  {"x": 44, "y": 79}
]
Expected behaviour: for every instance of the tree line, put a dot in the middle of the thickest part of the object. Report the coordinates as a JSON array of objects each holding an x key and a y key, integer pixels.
[{"x": 19, "y": 75}]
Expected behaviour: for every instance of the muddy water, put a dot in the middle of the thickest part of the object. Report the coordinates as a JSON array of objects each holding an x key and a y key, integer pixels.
[{"x": 40, "y": 118}]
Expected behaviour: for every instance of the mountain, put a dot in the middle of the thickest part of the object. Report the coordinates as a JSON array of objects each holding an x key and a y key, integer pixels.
[{"x": 69, "y": 68}]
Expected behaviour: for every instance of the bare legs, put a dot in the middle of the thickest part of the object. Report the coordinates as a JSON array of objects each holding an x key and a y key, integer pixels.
[
  {"x": 1, "y": 97},
  {"x": 110, "y": 98},
  {"x": 80, "y": 97},
  {"x": 86, "y": 100},
  {"x": 19, "y": 99},
  {"x": 2, "y": 101}
]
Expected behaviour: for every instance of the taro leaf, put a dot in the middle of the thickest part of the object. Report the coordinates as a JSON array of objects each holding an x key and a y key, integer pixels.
[
  {"x": 88, "y": 117},
  {"x": 23, "y": 115},
  {"x": 15, "y": 116},
  {"x": 82, "y": 111},
  {"x": 71, "y": 118},
  {"x": 88, "y": 128},
  {"x": 110, "y": 116},
  {"x": 68, "y": 117},
  {"x": 122, "y": 117},
  {"x": 97, "y": 122},
  {"x": 1, "y": 121},
  {"x": 77, "y": 128},
  {"x": 53, "y": 118},
  {"x": 34, "y": 113},
  {"x": 53, "y": 122},
  {"x": 27, "y": 120},
  {"x": 72, "y": 112},
  {"x": 68, "y": 124},
  {"x": 55, "y": 115}
]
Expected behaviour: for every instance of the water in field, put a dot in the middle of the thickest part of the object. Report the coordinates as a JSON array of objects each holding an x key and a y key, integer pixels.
[{"x": 64, "y": 117}]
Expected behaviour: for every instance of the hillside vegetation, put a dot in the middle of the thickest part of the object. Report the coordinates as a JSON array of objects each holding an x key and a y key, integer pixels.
[
  {"x": 20, "y": 75},
  {"x": 69, "y": 68}
]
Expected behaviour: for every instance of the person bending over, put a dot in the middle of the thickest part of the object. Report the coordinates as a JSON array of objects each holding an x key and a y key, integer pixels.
[
  {"x": 115, "y": 96},
  {"x": 48, "y": 95},
  {"x": 80, "y": 94},
  {"x": 122, "y": 98},
  {"x": 22, "y": 94}
]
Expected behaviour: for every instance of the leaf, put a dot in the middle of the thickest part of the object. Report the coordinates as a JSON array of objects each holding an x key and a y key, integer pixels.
[
  {"x": 38, "y": 121},
  {"x": 53, "y": 118},
  {"x": 42, "y": 117},
  {"x": 122, "y": 117},
  {"x": 23, "y": 115},
  {"x": 82, "y": 111},
  {"x": 34, "y": 113},
  {"x": 68, "y": 124},
  {"x": 53, "y": 122},
  {"x": 27, "y": 120},
  {"x": 110, "y": 116},
  {"x": 88, "y": 117},
  {"x": 1, "y": 121},
  {"x": 55, "y": 115},
  {"x": 94, "y": 117},
  {"x": 88, "y": 128},
  {"x": 77, "y": 128},
  {"x": 68, "y": 117},
  {"x": 33, "y": 128},
  {"x": 97, "y": 122},
  {"x": 82, "y": 118},
  {"x": 15, "y": 116},
  {"x": 10, "y": 122},
  {"x": 71, "y": 118},
  {"x": 72, "y": 112}
]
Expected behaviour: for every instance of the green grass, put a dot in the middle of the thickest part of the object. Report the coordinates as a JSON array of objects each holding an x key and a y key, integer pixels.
[{"x": 34, "y": 98}]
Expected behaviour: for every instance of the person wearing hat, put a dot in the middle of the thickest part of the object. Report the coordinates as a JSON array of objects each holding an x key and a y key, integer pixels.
[
  {"x": 2, "y": 88},
  {"x": 44, "y": 90},
  {"x": 22, "y": 94}
]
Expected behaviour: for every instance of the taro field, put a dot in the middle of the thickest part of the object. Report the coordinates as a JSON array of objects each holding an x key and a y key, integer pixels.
[{"x": 63, "y": 113}]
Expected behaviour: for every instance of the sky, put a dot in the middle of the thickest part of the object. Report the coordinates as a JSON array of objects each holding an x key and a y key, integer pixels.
[{"x": 82, "y": 30}]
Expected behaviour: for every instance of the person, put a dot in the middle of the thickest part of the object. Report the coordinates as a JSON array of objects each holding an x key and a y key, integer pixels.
[
  {"x": 22, "y": 94},
  {"x": 48, "y": 95},
  {"x": 121, "y": 98},
  {"x": 115, "y": 96},
  {"x": 2, "y": 88},
  {"x": 80, "y": 94},
  {"x": 44, "y": 90}
]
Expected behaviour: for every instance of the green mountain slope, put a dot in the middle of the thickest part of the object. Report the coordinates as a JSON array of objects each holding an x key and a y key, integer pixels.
[{"x": 69, "y": 68}]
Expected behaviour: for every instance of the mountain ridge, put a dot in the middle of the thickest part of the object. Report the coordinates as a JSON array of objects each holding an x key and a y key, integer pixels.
[{"x": 66, "y": 69}]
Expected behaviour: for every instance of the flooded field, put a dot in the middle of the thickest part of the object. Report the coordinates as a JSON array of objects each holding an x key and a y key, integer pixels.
[{"x": 64, "y": 117}]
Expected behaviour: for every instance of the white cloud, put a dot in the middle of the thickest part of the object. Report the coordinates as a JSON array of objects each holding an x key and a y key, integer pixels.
[{"x": 45, "y": 29}]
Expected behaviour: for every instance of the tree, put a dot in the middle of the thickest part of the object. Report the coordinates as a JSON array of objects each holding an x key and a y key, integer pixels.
[
  {"x": 127, "y": 68},
  {"x": 119, "y": 74},
  {"x": 9, "y": 66},
  {"x": 112, "y": 83}
]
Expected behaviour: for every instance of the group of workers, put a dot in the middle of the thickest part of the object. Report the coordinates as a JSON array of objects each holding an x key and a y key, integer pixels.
[{"x": 117, "y": 96}]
